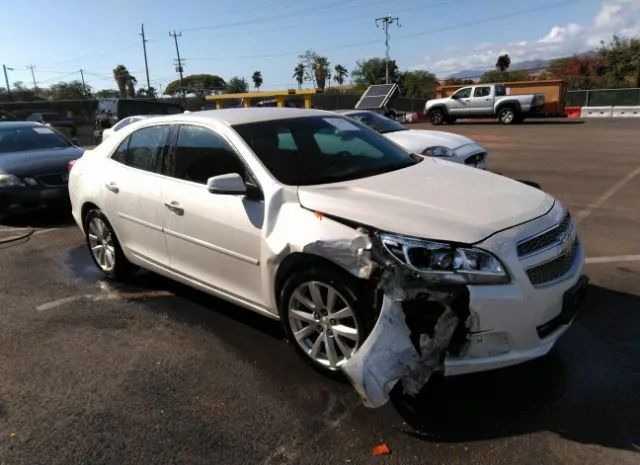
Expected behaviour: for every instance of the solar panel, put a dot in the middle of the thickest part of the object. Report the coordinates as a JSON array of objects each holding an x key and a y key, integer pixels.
[{"x": 376, "y": 97}]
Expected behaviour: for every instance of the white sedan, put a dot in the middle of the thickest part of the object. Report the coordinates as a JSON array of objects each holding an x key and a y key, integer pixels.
[
  {"x": 446, "y": 145},
  {"x": 353, "y": 243},
  {"x": 124, "y": 122}
]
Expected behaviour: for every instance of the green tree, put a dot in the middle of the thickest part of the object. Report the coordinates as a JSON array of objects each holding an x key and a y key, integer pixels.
[
  {"x": 107, "y": 93},
  {"x": 22, "y": 93},
  {"x": 503, "y": 63},
  {"x": 125, "y": 81},
  {"x": 321, "y": 72},
  {"x": 622, "y": 59},
  {"x": 307, "y": 58},
  {"x": 299, "y": 73},
  {"x": 418, "y": 84},
  {"x": 340, "y": 74},
  {"x": 69, "y": 91},
  {"x": 147, "y": 93},
  {"x": 236, "y": 85},
  {"x": 199, "y": 85},
  {"x": 504, "y": 76},
  {"x": 372, "y": 71},
  {"x": 257, "y": 79}
]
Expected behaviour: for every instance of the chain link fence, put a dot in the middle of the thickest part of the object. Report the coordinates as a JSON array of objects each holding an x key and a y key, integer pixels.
[{"x": 603, "y": 97}]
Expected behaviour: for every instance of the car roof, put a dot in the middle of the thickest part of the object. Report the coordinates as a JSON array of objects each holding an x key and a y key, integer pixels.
[
  {"x": 18, "y": 124},
  {"x": 233, "y": 116}
]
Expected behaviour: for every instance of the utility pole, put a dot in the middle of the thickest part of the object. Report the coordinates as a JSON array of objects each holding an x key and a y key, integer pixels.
[
  {"x": 84, "y": 86},
  {"x": 386, "y": 22},
  {"x": 33, "y": 76},
  {"x": 179, "y": 67},
  {"x": 144, "y": 49},
  {"x": 6, "y": 79}
]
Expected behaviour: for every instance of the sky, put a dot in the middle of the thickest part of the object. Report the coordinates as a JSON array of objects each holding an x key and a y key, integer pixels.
[{"x": 237, "y": 37}]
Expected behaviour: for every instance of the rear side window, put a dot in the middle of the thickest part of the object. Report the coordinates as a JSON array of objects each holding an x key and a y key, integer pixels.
[
  {"x": 201, "y": 154},
  {"x": 482, "y": 91},
  {"x": 144, "y": 148}
]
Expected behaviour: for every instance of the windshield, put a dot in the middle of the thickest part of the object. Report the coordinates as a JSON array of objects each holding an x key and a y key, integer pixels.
[
  {"x": 21, "y": 138},
  {"x": 377, "y": 122},
  {"x": 322, "y": 149}
]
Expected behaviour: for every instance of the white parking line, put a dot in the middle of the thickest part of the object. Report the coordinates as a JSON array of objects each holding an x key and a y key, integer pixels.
[
  {"x": 613, "y": 259},
  {"x": 59, "y": 302},
  {"x": 581, "y": 215},
  {"x": 108, "y": 295}
]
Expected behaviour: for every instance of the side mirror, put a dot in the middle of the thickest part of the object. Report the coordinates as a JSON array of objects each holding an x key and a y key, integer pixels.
[
  {"x": 455, "y": 96},
  {"x": 227, "y": 184},
  {"x": 74, "y": 140}
]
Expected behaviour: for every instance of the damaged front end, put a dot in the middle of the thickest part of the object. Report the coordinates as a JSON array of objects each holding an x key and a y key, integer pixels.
[{"x": 423, "y": 300}]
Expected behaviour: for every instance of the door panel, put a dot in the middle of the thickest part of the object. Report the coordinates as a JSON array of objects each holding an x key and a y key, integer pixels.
[
  {"x": 212, "y": 238},
  {"x": 481, "y": 102},
  {"x": 460, "y": 106}
]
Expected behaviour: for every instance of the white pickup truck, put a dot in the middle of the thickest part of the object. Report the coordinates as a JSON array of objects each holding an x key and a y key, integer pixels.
[{"x": 483, "y": 100}]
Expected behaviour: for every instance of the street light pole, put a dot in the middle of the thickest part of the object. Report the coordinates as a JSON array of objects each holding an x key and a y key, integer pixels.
[
  {"x": 146, "y": 64},
  {"x": 179, "y": 67},
  {"x": 33, "y": 76},
  {"x": 6, "y": 79},
  {"x": 386, "y": 22}
]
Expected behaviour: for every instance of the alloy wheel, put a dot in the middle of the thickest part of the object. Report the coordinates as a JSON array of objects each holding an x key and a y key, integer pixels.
[
  {"x": 507, "y": 116},
  {"x": 323, "y": 324},
  {"x": 101, "y": 244}
]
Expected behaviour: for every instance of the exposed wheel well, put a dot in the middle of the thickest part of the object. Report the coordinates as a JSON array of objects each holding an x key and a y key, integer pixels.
[
  {"x": 514, "y": 104},
  {"x": 439, "y": 107},
  {"x": 85, "y": 209},
  {"x": 301, "y": 260}
]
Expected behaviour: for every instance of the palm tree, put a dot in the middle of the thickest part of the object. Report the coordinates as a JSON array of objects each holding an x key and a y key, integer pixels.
[
  {"x": 320, "y": 67},
  {"x": 298, "y": 74},
  {"x": 125, "y": 81},
  {"x": 257, "y": 79},
  {"x": 131, "y": 89},
  {"x": 340, "y": 73},
  {"x": 503, "y": 62}
]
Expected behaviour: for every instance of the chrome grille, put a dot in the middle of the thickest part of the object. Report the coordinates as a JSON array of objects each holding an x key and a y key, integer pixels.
[
  {"x": 53, "y": 180},
  {"x": 554, "y": 269},
  {"x": 545, "y": 239}
]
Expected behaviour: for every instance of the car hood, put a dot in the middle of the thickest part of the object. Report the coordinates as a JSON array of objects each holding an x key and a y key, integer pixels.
[
  {"x": 417, "y": 140},
  {"x": 33, "y": 162},
  {"x": 434, "y": 199}
]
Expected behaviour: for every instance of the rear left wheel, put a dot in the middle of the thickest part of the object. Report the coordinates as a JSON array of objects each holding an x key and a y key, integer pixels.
[{"x": 104, "y": 247}]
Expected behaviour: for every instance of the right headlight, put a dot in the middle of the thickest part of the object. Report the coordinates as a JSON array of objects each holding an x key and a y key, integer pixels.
[
  {"x": 9, "y": 180},
  {"x": 438, "y": 151},
  {"x": 445, "y": 263}
]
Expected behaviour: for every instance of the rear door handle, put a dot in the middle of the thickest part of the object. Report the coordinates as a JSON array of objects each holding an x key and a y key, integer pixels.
[
  {"x": 113, "y": 187},
  {"x": 175, "y": 207}
]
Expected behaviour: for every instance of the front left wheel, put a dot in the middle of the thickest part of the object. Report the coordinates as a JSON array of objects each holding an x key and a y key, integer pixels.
[
  {"x": 104, "y": 247},
  {"x": 325, "y": 316}
]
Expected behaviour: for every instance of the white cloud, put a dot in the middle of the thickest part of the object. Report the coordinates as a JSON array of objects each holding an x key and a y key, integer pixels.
[{"x": 621, "y": 17}]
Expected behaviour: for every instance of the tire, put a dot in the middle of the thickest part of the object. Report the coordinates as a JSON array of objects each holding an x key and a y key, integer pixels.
[
  {"x": 316, "y": 330},
  {"x": 507, "y": 115},
  {"x": 437, "y": 116},
  {"x": 104, "y": 246}
]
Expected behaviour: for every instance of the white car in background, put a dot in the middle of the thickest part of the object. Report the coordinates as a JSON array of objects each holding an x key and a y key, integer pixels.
[
  {"x": 440, "y": 144},
  {"x": 124, "y": 122},
  {"x": 355, "y": 244}
]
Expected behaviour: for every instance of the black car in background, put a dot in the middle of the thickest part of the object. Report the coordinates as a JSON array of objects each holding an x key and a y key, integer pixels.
[{"x": 34, "y": 161}]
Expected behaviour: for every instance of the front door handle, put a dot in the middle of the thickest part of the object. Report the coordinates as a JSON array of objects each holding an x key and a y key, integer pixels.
[
  {"x": 113, "y": 187},
  {"x": 175, "y": 207}
]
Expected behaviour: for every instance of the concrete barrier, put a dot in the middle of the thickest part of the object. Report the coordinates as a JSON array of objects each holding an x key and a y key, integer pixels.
[
  {"x": 626, "y": 112},
  {"x": 596, "y": 112}
]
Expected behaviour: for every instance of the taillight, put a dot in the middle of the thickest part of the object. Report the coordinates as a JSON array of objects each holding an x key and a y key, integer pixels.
[{"x": 70, "y": 164}]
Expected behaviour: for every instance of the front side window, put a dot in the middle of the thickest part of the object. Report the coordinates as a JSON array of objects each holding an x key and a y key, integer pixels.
[
  {"x": 144, "y": 148},
  {"x": 201, "y": 154},
  {"x": 322, "y": 149},
  {"x": 463, "y": 93},
  {"x": 482, "y": 91}
]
